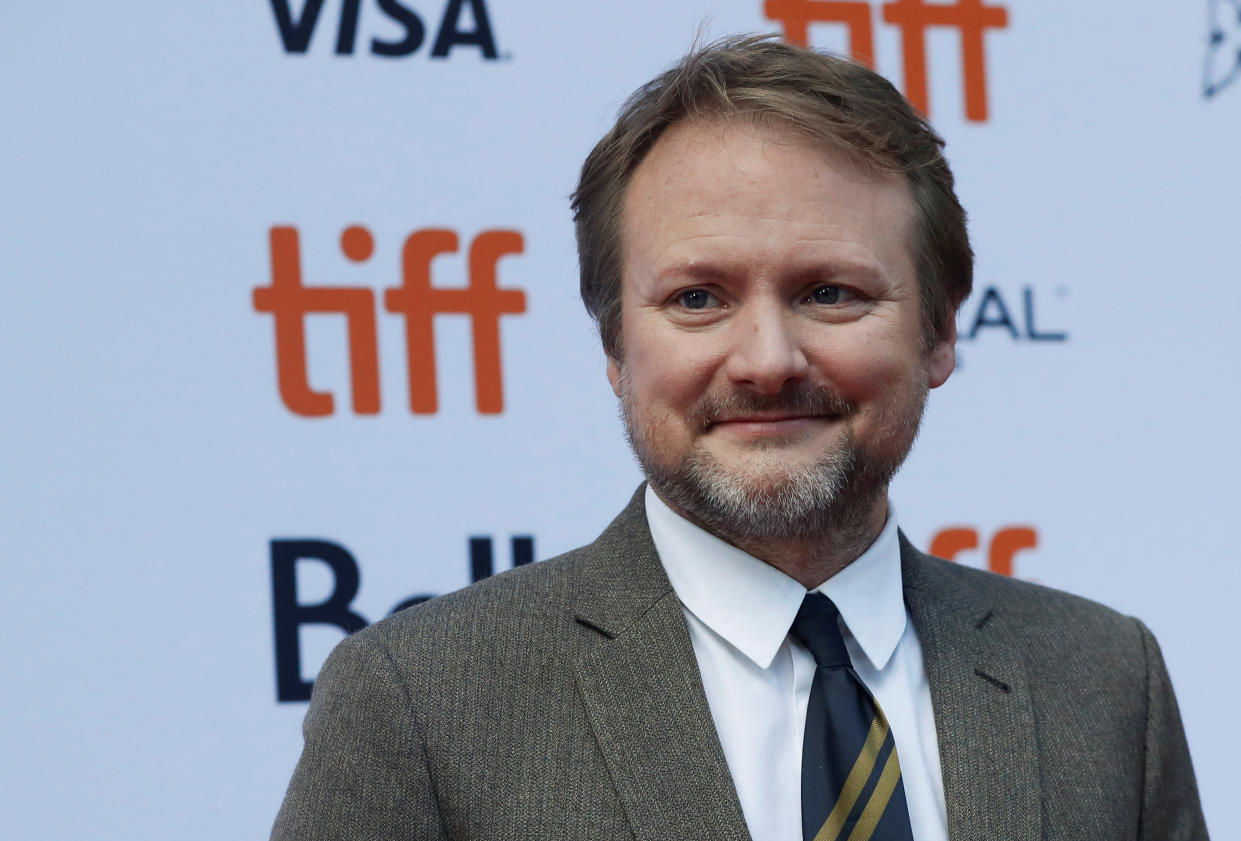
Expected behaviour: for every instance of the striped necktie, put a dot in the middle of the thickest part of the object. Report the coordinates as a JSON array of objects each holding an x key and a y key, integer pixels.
[{"x": 850, "y": 778}]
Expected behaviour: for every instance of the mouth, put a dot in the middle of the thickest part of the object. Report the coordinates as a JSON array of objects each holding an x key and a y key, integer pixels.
[
  {"x": 764, "y": 424},
  {"x": 792, "y": 413}
]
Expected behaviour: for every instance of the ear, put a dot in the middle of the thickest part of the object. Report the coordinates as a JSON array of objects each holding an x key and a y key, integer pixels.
[
  {"x": 614, "y": 376},
  {"x": 943, "y": 358}
]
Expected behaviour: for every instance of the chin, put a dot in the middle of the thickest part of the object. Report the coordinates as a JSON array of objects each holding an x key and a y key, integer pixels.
[{"x": 769, "y": 497}]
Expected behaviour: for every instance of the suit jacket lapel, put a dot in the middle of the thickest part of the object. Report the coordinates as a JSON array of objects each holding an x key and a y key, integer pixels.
[
  {"x": 639, "y": 680},
  {"x": 984, "y": 717}
]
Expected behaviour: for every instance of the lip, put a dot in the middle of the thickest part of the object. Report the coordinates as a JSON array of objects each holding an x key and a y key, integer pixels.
[{"x": 761, "y": 425}]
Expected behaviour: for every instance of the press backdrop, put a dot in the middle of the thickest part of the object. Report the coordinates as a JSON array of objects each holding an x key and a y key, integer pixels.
[{"x": 238, "y": 385}]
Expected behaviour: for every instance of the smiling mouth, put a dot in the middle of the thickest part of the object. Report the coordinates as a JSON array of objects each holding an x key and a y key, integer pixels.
[
  {"x": 763, "y": 425},
  {"x": 774, "y": 417},
  {"x": 793, "y": 410}
]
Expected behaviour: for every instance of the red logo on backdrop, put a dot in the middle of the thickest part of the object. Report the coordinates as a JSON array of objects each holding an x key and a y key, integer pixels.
[
  {"x": 416, "y": 300},
  {"x": 972, "y": 18},
  {"x": 1004, "y": 544}
]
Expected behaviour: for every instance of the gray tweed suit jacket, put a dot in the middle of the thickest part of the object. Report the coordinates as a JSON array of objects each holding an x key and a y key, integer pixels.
[{"x": 562, "y": 700}]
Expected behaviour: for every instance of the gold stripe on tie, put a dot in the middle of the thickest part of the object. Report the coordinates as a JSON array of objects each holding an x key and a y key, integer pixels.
[
  {"x": 856, "y": 781},
  {"x": 891, "y": 775}
]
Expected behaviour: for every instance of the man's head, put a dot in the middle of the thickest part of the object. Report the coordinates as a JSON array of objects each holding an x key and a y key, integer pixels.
[
  {"x": 771, "y": 245},
  {"x": 831, "y": 101}
]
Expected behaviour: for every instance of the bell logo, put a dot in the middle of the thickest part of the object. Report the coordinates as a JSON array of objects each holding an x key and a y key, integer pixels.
[
  {"x": 972, "y": 18},
  {"x": 1005, "y": 543},
  {"x": 289, "y": 301},
  {"x": 290, "y": 615}
]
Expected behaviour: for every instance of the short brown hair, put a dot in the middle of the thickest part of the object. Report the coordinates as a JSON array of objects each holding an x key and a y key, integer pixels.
[{"x": 829, "y": 99}]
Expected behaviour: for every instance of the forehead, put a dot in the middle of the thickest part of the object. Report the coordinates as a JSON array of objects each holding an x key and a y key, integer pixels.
[{"x": 746, "y": 193}]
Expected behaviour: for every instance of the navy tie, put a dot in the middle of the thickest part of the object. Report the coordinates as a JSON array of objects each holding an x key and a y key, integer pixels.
[{"x": 851, "y": 786}]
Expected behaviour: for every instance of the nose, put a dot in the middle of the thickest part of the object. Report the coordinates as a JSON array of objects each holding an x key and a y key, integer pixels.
[{"x": 764, "y": 352}]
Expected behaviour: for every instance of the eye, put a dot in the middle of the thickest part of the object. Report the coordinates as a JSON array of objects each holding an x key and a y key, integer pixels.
[
  {"x": 697, "y": 299},
  {"x": 829, "y": 295}
]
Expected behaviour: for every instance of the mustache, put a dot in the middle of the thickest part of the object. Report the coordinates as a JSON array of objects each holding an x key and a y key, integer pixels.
[{"x": 793, "y": 399}]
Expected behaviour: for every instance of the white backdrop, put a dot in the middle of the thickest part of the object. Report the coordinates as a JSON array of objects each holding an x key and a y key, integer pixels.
[{"x": 149, "y": 460}]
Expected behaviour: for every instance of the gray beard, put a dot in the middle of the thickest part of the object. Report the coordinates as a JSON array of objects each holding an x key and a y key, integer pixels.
[{"x": 829, "y": 499}]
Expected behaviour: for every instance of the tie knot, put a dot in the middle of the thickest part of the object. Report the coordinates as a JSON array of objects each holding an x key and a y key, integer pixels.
[{"x": 816, "y": 628}]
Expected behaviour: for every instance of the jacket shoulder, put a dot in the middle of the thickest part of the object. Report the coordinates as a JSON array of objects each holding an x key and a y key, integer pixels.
[
  {"x": 1015, "y": 593},
  {"x": 1047, "y": 624}
]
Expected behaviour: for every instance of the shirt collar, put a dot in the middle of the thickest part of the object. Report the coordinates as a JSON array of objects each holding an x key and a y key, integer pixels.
[{"x": 751, "y": 604}]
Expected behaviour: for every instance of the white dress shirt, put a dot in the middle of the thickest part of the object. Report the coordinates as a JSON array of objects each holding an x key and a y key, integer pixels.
[{"x": 757, "y": 680}]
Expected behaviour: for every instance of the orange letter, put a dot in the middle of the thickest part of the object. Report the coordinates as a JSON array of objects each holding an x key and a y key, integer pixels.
[
  {"x": 1006, "y": 543},
  {"x": 948, "y": 542},
  {"x": 419, "y": 302},
  {"x": 289, "y": 301},
  {"x": 797, "y": 15},
  {"x": 486, "y": 304},
  {"x": 415, "y": 299},
  {"x": 969, "y": 16}
]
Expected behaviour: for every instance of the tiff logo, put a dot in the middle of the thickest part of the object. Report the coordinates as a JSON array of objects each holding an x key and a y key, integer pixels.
[
  {"x": 972, "y": 18},
  {"x": 289, "y": 301},
  {"x": 1005, "y": 543}
]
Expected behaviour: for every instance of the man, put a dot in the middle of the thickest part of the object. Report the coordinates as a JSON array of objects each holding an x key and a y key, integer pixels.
[{"x": 772, "y": 249}]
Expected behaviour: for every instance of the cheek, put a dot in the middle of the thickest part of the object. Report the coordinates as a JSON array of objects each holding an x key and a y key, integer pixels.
[
  {"x": 667, "y": 369},
  {"x": 864, "y": 370}
]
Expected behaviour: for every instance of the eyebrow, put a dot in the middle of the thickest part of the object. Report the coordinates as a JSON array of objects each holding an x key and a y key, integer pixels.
[
  {"x": 699, "y": 272},
  {"x": 821, "y": 272}
]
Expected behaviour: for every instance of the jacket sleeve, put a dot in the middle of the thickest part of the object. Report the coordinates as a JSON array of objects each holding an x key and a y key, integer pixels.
[
  {"x": 1170, "y": 807},
  {"x": 363, "y": 773}
]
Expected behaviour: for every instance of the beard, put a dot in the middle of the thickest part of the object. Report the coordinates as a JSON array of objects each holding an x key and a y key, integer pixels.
[{"x": 767, "y": 497}]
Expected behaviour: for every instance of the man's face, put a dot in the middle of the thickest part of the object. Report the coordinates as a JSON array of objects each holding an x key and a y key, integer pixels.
[{"x": 774, "y": 371}]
